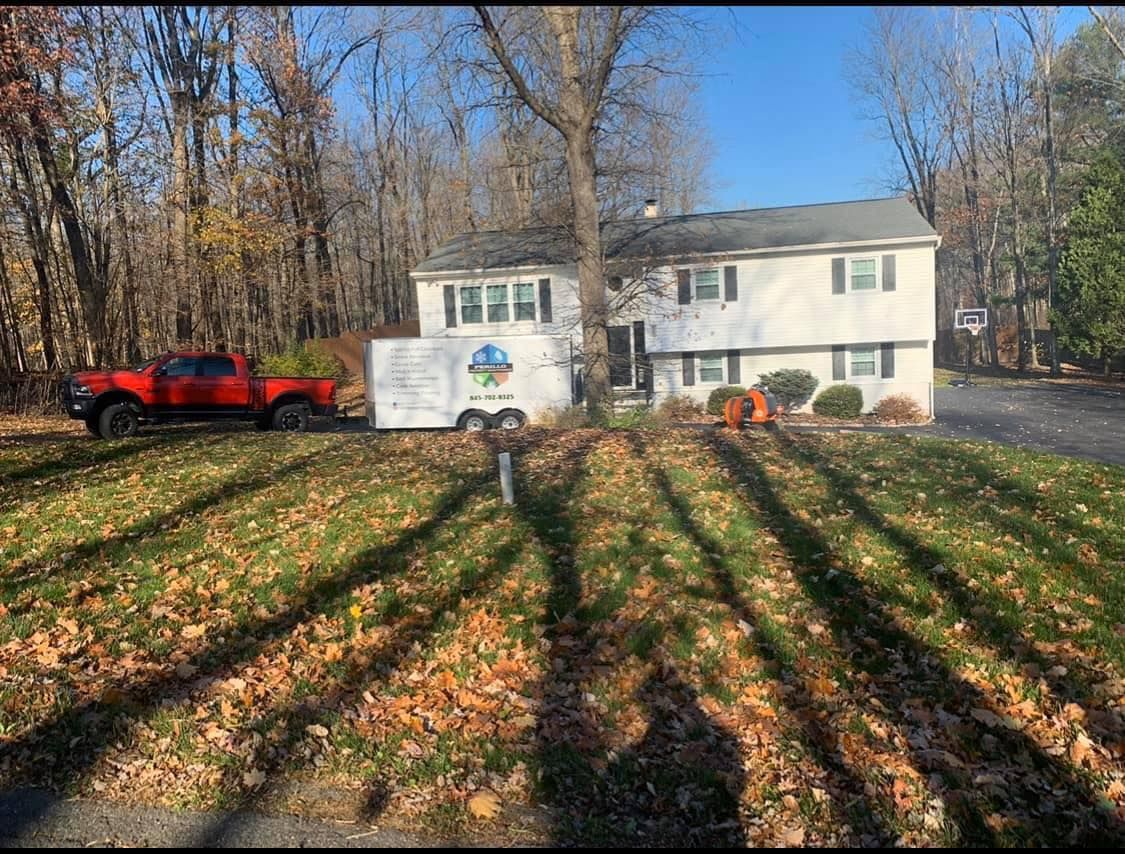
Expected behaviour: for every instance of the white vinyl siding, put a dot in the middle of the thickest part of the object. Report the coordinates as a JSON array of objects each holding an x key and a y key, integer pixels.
[
  {"x": 862, "y": 361},
  {"x": 707, "y": 284},
  {"x": 711, "y": 368},
  {"x": 913, "y": 372},
  {"x": 863, "y": 274}
]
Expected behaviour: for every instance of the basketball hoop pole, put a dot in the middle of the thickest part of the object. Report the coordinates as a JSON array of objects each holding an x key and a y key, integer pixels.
[{"x": 970, "y": 339}]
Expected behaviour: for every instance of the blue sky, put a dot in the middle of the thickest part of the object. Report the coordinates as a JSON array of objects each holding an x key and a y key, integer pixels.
[{"x": 785, "y": 127}]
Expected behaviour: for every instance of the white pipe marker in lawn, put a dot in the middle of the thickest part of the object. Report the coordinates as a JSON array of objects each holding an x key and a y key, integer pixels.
[{"x": 506, "y": 489}]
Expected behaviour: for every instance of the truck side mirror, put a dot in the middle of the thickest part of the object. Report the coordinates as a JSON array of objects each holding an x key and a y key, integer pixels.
[{"x": 162, "y": 371}]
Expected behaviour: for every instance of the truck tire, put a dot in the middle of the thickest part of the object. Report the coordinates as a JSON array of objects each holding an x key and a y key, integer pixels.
[
  {"x": 118, "y": 421},
  {"x": 509, "y": 419},
  {"x": 291, "y": 418},
  {"x": 473, "y": 421}
]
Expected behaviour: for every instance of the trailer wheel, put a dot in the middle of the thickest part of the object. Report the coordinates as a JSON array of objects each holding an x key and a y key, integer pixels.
[
  {"x": 510, "y": 419},
  {"x": 473, "y": 421}
]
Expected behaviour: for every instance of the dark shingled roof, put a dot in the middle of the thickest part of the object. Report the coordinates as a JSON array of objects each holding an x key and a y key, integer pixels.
[{"x": 690, "y": 234}]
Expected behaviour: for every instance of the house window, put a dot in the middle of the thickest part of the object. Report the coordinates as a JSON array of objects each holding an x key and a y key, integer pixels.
[
  {"x": 863, "y": 274},
  {"x": 863, "y": 361},
  {"x": 497, "y": 303},
  {"x": 711, "y": 368},
  {"x": 471, "y": 306},
  {"x": 707, "y": 284},
  {"x": 523, "y": 301}
]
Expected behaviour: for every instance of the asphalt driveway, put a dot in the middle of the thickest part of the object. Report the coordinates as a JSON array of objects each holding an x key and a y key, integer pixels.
[{"x": 1077, "y": 421}]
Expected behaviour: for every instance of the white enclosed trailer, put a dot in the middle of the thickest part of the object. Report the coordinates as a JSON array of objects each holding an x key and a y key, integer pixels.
[{"x": 471, "y": 383}]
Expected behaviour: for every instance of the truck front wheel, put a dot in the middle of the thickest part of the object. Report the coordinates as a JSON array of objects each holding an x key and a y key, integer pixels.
[
  {"x": 118, "y": 421},
  {"x": 291, "y": 418}
]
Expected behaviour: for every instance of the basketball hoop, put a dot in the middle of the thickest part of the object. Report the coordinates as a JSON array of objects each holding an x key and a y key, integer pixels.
[{"x": 973, "y": 320}]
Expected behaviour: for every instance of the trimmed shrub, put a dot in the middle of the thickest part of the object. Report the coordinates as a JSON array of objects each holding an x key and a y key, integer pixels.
[
  {"x": 719, "y": 397},
  {"x": 678, "y": 408},
  {"x": 839, "y": 401},
  {"x": 899, "y": 409},
  {"x": 793, "y": 387},
  {"x": 300, "y": 361}
]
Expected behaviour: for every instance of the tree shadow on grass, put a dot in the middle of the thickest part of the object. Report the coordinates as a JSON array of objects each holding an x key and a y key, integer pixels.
[
  {"x": 90, "y": 556},
  {"x": 40, "y": 479},
  {"x": 1000, "y": 785},
  {"x": 64, "y": 747},
  {"x": 678, "y": 784},
  {"x": 990, "y": 615},
  {"x": 1021, "y": 511},
  {"x": 847, "y": 799}
]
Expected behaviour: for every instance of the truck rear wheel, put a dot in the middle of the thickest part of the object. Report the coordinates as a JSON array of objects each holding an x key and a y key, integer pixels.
[
  {"x": 473, "y": 421},
  {"x": 118, "y": 421},
  {"x": 510, "y": 419},
  {"x": 291, "y": 418}
]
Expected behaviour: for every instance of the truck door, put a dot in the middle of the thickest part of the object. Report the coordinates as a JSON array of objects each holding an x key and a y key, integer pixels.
[
  {"x": 173, "y": 385},
  {"x": 220, "y": 388}
]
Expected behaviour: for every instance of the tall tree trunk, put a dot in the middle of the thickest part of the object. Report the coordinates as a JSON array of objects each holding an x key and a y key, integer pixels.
[
  {"x": 591, "y": 285},
  {"x": 181, "y": 239},
  {"x": 28, "y": 202}
]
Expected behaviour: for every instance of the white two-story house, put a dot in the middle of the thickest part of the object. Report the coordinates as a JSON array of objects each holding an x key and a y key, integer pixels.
[{"x": 844, "y": 290}]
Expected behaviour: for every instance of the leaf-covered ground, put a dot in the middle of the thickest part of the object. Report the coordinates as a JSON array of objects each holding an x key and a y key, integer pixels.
[{"x": 673, "y": 636}]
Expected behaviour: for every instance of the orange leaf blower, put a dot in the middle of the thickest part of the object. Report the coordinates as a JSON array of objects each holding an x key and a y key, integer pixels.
[{"x": 757, "y": 406}]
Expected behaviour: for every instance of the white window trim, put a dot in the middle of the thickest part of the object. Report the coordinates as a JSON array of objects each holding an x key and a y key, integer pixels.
[
  {"x": 699, "y": 368},
  {"x": 484, "y": 321},
  {"x": 863, "y": 378},
  {"x": 694, "y": 284},
  {"x": 878, "y": 274}
]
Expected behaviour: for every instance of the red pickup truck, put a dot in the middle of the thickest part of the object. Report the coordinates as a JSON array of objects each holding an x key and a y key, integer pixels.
[{"x": 191, "y": 386}]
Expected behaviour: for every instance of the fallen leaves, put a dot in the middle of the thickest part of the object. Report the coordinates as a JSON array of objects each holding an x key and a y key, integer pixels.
[
  {"x": 744, "y": 648},
  {"x": 485, "y": 805}
]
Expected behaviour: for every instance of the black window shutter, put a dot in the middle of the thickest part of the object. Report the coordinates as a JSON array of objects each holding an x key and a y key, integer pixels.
[
  {"x": 888, "y": 272},
  {"x": 689, "y": 368},
  {"x": 639, "y": 353},
  {"x": 734, "y": 367},
  {"x": 838, "y": 362},
  {"x": 450, "y": 306},
  {"x": 730, "y": 283},
  {"x": 683, "y": 278},
  {"x": 544, "y": 300},
  {"x": 837, "y": 275},
  {"x": 888, "y": 353}
]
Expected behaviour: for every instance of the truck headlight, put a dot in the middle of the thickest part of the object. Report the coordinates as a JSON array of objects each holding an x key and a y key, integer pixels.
[{"x": 82, "y": 391}]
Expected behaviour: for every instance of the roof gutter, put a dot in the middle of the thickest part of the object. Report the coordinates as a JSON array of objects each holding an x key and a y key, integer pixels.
[{"x": 671, "y": 259}]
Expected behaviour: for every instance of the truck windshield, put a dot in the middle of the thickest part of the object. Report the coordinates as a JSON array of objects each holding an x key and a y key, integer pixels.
[{"x": 140, "y": 368}]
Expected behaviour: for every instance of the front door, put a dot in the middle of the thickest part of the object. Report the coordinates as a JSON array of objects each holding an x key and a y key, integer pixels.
[{"x": 620, "y": 356}]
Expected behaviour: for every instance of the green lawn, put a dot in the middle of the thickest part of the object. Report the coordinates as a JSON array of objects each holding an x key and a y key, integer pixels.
[{"x": 673, "y": 636}]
